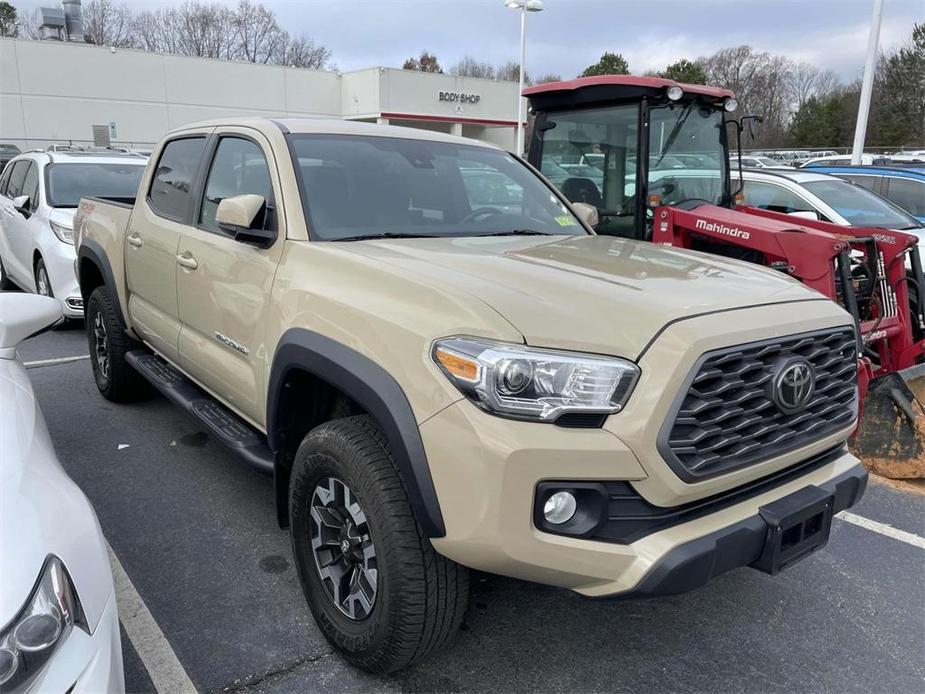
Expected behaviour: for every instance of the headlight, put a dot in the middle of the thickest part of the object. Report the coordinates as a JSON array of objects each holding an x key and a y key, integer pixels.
[
  {"x": 29, "y": 641},
  {"x": 529, "y": 383},
  {"x": 63, "y": 233}
]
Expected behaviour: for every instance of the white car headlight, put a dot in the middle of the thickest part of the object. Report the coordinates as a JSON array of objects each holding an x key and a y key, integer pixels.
[
  {"x": 530, "y": 383},
  {"x": 63, "y": 233},
  {"x": 28, "y": 642}
]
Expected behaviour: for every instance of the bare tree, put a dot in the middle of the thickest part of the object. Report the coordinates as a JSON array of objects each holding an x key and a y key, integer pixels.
[
  {"x": 301, "y": 51},
  {"x": 259, "y": 36},
  {"x": 549, "y": 77},
  {"x": 470, "y": 67},
  {"x": 510, "y": 72},
  {"x": 426, "y": 62},
  {"x": 108, "y": 24}
]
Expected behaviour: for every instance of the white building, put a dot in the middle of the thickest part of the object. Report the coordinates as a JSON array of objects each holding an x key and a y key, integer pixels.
[{"x": 54, "y": 92}]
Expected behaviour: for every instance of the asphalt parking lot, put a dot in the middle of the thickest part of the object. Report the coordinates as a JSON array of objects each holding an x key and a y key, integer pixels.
[{"x": 196, "y": 534}]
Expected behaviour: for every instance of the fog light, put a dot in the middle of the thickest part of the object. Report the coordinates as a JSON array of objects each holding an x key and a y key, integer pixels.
[{"x": 560, "y": 508}]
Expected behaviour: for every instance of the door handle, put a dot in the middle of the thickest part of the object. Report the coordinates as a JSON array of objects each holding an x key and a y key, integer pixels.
[
  {"x": 136, "y": 241},
  {"x": 187, "y": 261}
]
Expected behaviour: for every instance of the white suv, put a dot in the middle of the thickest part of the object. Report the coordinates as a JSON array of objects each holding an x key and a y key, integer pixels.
[
  {"x": 803, "y": 193},
  {"x": 39, "y": 192}
]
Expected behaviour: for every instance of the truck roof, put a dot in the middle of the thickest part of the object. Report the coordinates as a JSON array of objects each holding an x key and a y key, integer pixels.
[
  {"x": 629, "y": 85},
  {"x": 336, "y": 126}
]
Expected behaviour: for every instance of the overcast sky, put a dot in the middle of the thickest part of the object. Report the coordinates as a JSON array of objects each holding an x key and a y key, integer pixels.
[{"x": 571, "y": 34}]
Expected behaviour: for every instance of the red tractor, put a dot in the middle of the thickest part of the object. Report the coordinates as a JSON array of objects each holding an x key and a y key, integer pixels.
[{"x": 651, "y": 156}]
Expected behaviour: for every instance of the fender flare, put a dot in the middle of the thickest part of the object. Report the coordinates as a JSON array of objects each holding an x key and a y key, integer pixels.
[
  {"x": 91, "y": 251},
  {"x": 374, "y": 389}
]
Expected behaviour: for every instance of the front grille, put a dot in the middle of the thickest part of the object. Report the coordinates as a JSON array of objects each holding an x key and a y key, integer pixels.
[{"x": 726, "y": 417}]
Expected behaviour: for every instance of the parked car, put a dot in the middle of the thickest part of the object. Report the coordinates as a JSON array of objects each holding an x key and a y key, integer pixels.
[
  {"x": 7, "y": 152},
  {"x": 754, "y": 162},
  {"x": 438, "y": 385},
  {"x": 828, "y": 198},
  {"x": 60, "y": 627},
  {"x": 39, "y": 192},
  {"x": 905, "y": 187},
  {"x": 845, "y": 160}
]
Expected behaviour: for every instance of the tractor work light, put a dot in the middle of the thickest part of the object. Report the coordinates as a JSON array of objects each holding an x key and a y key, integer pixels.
[
  {"x": 675, "y": 93},
  {"x": 731, "y": 105}
]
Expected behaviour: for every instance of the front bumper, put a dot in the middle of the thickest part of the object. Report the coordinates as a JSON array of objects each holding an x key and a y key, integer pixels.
[
  {"x": 87, "y": 663},
  {"x": 486, "y": 471},
  {"x": 59, "y": 261}
]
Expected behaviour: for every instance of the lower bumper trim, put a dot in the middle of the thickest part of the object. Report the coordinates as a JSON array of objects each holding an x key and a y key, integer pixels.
[{"x": 692, "y": 564}]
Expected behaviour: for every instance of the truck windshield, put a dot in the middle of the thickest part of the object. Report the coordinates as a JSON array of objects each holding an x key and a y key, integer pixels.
[
  {"x": 357, "y": 187},
  {"x": 66, "y": 184},
  {"x": 859, "y": 206},
  {"x": 591, "y": 155}
]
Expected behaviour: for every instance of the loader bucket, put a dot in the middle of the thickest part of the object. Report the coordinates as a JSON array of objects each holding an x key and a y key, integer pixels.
[{"x": 890, "y": 439}]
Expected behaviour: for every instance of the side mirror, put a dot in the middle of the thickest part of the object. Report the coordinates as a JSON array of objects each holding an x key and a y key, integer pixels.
[
  {"x": 21, "y": 205},
  {"x": 25, "y": 315},
  {"x": 241, "y": 216},
  {"x": 805, "y": 214},
  {"x": 586, "y": 213}
]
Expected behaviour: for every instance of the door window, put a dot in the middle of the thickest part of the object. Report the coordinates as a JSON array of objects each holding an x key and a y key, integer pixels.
[
  {"x": 769, "y": 196},
  {"x": 238, "y": 168},
  {"x": 171, "y": 185},
  {"x": 14, "y": 190},
  {"x": 909, "y": 195},
  {"x": 30, "y": 187}
]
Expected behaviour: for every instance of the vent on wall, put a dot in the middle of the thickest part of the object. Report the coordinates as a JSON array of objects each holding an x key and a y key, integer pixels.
[{"x": 101, "y": 136}]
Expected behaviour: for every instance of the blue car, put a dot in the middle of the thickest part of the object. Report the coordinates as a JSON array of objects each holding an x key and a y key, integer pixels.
[{"x": 904, "y": 187}]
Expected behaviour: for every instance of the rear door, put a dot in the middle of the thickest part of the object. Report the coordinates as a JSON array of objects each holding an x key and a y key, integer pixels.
[
  {"x": 225, "y": 285},
  {"x": 152, "y": 239},
  {"x": 6, "y": 212}
]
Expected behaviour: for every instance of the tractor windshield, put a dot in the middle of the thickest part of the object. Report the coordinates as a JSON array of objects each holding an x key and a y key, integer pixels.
[{"x": 592, "y": 156}]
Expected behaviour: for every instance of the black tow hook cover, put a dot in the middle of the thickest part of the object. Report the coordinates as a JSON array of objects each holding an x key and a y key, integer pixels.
[{"x": 797, "y": 525}]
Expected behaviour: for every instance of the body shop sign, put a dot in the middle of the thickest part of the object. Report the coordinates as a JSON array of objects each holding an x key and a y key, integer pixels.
[{"x": 460, "y": 97}]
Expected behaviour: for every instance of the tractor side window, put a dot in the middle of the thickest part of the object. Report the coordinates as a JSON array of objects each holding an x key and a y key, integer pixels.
[
  {"x": 590, "y": 155},
  {"x": 775, "y": 198}
]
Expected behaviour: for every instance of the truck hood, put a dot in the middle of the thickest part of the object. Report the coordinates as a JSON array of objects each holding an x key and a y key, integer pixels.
[{"x": 588, "y": 293}]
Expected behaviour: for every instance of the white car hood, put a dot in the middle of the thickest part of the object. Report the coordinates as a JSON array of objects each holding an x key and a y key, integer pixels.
[{"x": 42, "y": 511}]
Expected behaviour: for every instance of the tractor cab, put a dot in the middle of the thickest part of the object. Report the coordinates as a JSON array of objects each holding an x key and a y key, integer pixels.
[{"x": 626, "y": 145}]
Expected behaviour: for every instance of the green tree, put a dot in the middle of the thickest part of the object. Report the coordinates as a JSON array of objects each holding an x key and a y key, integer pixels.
[
  {"x": 9, "y": 23},
  {"x": 897, "y": 114},
  {"x": 423, "y": 63},
  {"x": 609, "y": 64},
  {"x": 685, "y": 71}
]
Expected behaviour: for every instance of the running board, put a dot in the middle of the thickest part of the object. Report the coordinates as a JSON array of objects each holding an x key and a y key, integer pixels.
[{"x": 230, "y": 430}]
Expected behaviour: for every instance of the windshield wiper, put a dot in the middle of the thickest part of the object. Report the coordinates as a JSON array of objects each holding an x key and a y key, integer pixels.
[
  {"x": 518, "y": 232},
  {"x": 386, "y": 235},
  {"x": 673, "y": 135}
]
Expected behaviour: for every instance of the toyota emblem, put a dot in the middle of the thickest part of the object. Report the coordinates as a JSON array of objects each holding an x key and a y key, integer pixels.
[{"x": 794, "y": 386}]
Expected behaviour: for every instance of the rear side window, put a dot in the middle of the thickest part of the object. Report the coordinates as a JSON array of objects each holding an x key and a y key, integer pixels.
[
  {"x": 869, "y": 182},
  {"x": 172, "y": 182},
  {"x": 769, "y": 196},
  {"x": 909, "y": 195},
  {"x": 5, "y": 178},
  {"x": 238, "y": 168},
  {"x": 17, "y": 178}
]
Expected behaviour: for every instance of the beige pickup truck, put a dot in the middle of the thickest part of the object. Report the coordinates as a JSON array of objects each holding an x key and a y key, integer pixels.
[{"x": 444, "y": 368}]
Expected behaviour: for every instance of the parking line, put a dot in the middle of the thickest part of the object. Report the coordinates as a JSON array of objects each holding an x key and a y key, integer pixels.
[
  {"x": 883, "y": 529},
  {"x": 51, "y": 362},
  {"x": 162, "y": 664}
]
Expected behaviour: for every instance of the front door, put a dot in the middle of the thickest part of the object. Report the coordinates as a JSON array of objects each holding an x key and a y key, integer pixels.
[
  {"x": 152, "y": 240},
  {"x": 17, "y": 232},
  {"x": 224, "y": 286}
]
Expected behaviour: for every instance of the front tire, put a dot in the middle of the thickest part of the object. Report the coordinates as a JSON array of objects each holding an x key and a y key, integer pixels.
[
  {"x": 42, "y": 282},
  {"x": 377, "y": 589},
  {"x": 115, "y": 378}
]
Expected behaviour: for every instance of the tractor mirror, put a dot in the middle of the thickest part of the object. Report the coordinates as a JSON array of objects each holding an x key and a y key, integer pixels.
[{"x": 586, "y": 213}]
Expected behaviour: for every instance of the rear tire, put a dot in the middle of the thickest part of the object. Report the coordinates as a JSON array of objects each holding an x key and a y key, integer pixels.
[
  {"x": 417, "y": 599},
  {"x": 115, "y": 378}
]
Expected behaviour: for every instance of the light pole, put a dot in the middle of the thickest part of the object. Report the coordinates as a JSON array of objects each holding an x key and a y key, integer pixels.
[
  {"x": 867, "y": 83},
  {"x": 524, "y": 6}
]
